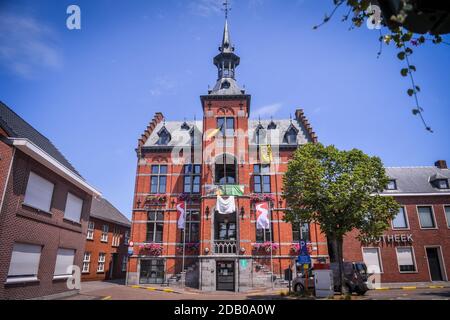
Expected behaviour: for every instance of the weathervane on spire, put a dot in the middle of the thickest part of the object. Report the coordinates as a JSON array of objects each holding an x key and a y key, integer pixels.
[{"x": 227, "y": 8}]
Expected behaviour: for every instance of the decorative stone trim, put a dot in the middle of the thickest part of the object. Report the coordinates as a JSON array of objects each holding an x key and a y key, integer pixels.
[{"x": 300, "y": 116}]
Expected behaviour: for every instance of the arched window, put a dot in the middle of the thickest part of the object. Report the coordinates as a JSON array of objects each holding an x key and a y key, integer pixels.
[
  {"x": 164, "y": 137},
  {"x": 291, "y": 136},
  {"x": 225, "y": 170}
]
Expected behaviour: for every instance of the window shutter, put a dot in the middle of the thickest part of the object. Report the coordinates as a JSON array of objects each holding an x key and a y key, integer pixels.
[
  {"x": 64, "y": 259},
  {"x": 25, "y": 260},
  {"x": 39, "y": 192},
  {"x": 404, "y": 256},
  {"x": 372, "y": 260},
  {"x": 74, "y": 205}
]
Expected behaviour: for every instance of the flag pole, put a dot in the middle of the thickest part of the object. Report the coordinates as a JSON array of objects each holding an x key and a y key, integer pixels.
[
  {"x": 184, "y": 242},
  {"x": 271, "y": 243}
]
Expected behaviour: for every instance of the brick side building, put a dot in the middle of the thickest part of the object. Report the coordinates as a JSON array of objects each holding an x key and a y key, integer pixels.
[
  {"x": 193, "y": 161},
  {"x": 108, "y": 234},
  {"x": 416, "y": 248},
  {"x": 44, "y": 211}
]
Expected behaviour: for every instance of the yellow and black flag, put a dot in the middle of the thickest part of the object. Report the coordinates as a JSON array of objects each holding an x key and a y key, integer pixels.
[{"x": 266, "y": 155}]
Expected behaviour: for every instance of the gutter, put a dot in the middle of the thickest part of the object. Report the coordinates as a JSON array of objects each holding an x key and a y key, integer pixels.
[{"x": 32, "y": 150}]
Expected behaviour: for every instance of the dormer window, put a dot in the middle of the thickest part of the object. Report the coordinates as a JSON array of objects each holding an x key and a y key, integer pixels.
[
  {"x": 164, "y": 137},
  {"x": 272, "y": 126},
  {"x": 225, "y": 85},
  {"x": 185, "y": 126},
  {"x": 291, "y": 136},
  {"x": 392, "y": 185},
  {"x": 442, "y": 183},
  {"x": 261, "y": 137},
  {"x": 439, "y": 181}
]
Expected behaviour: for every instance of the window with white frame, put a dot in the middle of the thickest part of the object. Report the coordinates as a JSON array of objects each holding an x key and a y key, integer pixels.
[
  {"x": 405, "y": 259},
  {"x": 124, "y": 264},
  {"x": 400, "y": 221},
  {"x": 447, "y": 215},
  {"x": 126, "y": 238},
  {"x": 39, "y": 193},
  {"x": 24, "y": 263},
  {"x": 116, "y": 237},
  {"x": 86, "y": 262},
  {"x": 74, "y": 206},
  {"x": 371, "y": 257},
  {"x": 426, "y": 217},
  {"x": 90, "y": 230},
  {"x": 64, "y": 262},
  {"x": 101, "y": 262},
  {"x": 105, "y": 230}
]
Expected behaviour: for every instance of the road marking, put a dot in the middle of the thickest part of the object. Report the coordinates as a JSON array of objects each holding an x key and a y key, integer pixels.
[
  {"x": 436, "y": 287},
  {"x": 409, "y": 288},
  {"x": 107, "y": 298},
  {"x": 136, "y": 287},
  {"x": 384, "y": 288},
  {"x": 168, "y": 290},
  {"x": 151, "y": 289}
]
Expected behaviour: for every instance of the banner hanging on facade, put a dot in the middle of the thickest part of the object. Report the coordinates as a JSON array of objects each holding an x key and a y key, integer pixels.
[
  {"x": 226, "y": 206},
  {"x": 181, "y": 209},
  {"x": 262, "y": 215}
]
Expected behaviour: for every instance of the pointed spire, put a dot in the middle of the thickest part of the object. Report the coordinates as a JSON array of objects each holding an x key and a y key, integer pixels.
[{"x": 226, "y": 46}]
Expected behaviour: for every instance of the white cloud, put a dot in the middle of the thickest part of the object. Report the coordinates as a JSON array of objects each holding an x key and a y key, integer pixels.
[
  {"x": 268, "y": 110},
  {"x": 163, "y": 85},
  {"x": 206, "y": 7},
  {"x": 27, "y": 44}
]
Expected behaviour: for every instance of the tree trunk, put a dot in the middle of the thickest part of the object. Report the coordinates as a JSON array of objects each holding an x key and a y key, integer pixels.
[{"x": 340, "y": 258}]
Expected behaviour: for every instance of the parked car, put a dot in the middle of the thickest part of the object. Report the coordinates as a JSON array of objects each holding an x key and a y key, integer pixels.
[{"x": 355, "y": 274}]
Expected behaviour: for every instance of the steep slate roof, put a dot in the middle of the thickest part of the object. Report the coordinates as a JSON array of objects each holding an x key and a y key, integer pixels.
[
  {"x": 16, "y": 127},
  {"x": 416, "y": 179},
  {"x": 278, "y": 134},
  {"x": 102, "y": 209},
  {"x": 180, "y": 137}
]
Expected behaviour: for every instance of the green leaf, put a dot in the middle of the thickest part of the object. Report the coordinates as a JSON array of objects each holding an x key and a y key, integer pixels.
[
  {"x": 412, "y": 68},
  {"x": 417, "y": 88},
  {"x": 401, "y": 55},
  {"x": 421, "y": 39},
  {"x": 404, "y": 72},
  {"x": 415, "y": 112},
  {"x": 410, "y": 92},
  {"x": 408, "y": 51}
]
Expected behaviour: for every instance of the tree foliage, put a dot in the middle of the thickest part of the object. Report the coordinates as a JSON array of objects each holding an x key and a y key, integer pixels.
[{"x": 339, "y": 190}]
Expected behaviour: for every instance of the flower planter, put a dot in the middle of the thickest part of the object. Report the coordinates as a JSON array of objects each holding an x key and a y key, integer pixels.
[{"x": 152, "y": 249}]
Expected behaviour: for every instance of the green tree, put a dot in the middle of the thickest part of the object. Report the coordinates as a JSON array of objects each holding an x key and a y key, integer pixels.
[{"x": 339, "y": 190}]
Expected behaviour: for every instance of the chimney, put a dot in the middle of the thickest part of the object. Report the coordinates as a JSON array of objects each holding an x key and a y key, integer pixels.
[{"x": 441, "y": 164}]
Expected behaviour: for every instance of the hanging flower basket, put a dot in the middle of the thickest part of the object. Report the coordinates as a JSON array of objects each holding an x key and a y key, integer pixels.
[
  {"x": 152, "y": 249},
  {"x": 264, "y": 248},
  {"x": 156, "y": 199},
  {"x": 190, "y": 248},
  {"x": 295, "y": 248},
  {"x": 261, "y": 197},
  {"x": 188, "y": 197}
]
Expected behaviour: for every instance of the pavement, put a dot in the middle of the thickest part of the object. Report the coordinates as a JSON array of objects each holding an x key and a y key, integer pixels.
[{"x": 116, "y": 290}]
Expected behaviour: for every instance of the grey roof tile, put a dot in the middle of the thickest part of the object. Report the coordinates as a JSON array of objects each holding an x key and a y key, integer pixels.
[
  {"x": 16, "y": 127},
  {"x": 416, "y": 179},
  {"x": 104, "y": 210}
]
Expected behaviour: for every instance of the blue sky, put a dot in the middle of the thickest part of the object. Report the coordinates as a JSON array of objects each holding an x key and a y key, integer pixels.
[{"x": 93, "y": 91}]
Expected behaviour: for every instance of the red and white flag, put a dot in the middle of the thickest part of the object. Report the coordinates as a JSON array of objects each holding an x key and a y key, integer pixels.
[
  {"x": 262, "y": 216},
  {"x": 181, "y": 209}
]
